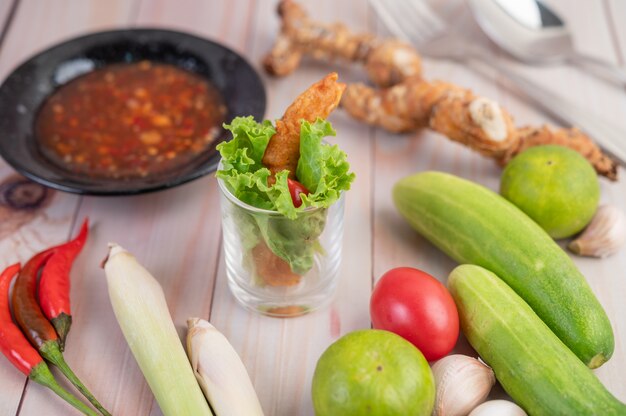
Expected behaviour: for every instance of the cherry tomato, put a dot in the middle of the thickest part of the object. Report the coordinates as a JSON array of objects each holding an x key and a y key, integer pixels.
[
  {"x": 416, "y": 306},
  {"x": 295, "y": 189}
]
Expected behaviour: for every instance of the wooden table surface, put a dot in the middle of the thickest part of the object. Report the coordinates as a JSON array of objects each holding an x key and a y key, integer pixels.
[{"x": 176, "y": 233}]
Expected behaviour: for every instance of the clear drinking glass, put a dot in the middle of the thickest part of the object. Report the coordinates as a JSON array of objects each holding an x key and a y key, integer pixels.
[{"x": 278, "y": 266}]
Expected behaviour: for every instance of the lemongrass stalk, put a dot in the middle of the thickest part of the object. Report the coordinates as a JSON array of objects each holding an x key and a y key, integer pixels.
[
  {"x": 141, "y": 311},
  {"x": 220, "y": 372}
]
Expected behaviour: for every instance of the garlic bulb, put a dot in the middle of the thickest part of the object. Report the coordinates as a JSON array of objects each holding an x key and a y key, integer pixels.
[
  {"x": 604, "y": 235},
  {"x": 498, "y": 408},
  {"x": 462, "y": 383}
]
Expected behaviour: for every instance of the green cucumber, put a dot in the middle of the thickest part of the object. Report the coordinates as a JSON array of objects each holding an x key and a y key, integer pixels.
[
  {"x": 475, "y": 225},
  {"x": 534, "y": 367}
]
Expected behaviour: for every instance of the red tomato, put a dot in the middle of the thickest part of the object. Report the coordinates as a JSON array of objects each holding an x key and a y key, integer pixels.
[
  {"x": 295, "y": 189},
  {"x": 416, "y": 306}
]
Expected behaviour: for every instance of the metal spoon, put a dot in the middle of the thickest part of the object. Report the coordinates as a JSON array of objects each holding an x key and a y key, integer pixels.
[{"x": 531, "y": 32}]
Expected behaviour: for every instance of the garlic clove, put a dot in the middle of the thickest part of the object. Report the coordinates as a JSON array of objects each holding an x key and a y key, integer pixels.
[
  {"x": 604, "y": 235},
  {"x": 462, "y": 383},
  {"x": 498, "y": 408}
]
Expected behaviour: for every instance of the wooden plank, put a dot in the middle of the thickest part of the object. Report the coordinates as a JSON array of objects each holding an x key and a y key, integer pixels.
[
  {"x": 591, "y": 34},
  {"x": 11, "y": 380},
  {"x": 31, "y": 232},
  {"x": 174, "y": 233},
  {"x": 228, "y": 22},
  {"x": 5, "y": 14},
  {"x": 281, "y": 354},
  {"x": 58, "y": 21},
  {"x": 615, "y": 12},
  {"x": 397, "y": 156}
]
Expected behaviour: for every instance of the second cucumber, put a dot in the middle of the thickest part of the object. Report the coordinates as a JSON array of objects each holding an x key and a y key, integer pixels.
[
  {"x": 474, "y": 225},
  {"x": 534, "y": 367}
]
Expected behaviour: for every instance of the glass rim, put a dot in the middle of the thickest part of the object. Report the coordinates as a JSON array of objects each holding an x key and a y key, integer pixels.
[{"x": 232, "y": 198}]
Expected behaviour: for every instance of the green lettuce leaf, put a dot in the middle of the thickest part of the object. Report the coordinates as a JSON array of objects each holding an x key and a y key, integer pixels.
[
  {"x": 245, "y": 151},
  {"x": 310, "y": 165},
  {"x": 323, "y": 169},
  {"x": 295, "y": 241}
]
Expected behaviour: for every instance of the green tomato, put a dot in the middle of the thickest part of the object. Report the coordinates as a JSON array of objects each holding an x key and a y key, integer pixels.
[
  {"x": 553, "y": 185},
  {"x": 375, "y": 373}
]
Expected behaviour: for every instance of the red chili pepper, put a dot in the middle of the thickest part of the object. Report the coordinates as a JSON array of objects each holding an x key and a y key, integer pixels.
[
  {"x": 295, "y": 189},
  {"x": 36, "y": 327},
  {"x": 54, "y": 285},
  {"x": 38, "y": 330},
  {"x": 12, "y": 342},
  {"x": 21, "y": 354}
]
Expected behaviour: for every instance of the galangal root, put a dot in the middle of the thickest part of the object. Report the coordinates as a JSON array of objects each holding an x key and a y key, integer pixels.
[
  {"x": 457, "y": 113},
  {"x": 387, "y": 62},
  {"x": 403, "y": 101}
]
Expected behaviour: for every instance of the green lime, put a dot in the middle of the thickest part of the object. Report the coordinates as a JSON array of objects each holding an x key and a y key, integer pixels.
[
  {"x": 375, "y": 373},
  {"x": 553, "y": 185}
]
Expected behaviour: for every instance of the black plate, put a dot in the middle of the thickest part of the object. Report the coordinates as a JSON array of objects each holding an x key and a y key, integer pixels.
[{"x": 23, "y": 92}]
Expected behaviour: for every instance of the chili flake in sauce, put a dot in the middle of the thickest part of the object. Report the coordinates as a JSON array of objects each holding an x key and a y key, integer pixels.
[{"x": 130, "y": 120}]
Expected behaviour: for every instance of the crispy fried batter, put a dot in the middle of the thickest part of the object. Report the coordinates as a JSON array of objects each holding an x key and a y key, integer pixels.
[
  {"x": 283, "y": 150},
  {"x": 572, "y": 138}
]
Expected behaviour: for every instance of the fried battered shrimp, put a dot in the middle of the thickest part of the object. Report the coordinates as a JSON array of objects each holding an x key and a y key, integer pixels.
[{"x": 283, "y": 149}]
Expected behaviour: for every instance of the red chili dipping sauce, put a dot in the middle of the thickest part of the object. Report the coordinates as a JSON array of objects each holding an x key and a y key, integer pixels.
[{"x": 130, "y": 120}]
